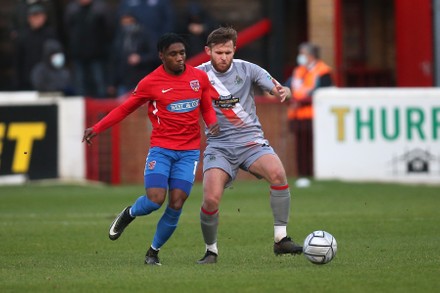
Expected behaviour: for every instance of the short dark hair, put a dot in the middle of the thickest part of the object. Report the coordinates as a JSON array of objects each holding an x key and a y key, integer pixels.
[
  {"x": 221, "y": 36},
  {"x": 36, "y": 8},
  {"x": 312, "y": 49},
  {"x": 166, "y": 40}
]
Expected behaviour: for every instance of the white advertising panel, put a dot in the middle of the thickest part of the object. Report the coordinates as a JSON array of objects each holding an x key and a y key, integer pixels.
[{"x": 378, "y": 134}]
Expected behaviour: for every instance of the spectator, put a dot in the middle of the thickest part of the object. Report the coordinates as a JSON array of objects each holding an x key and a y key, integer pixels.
[
  {"x": 51, "y": 74},
  {"x": 29, "y": 45},
  {"x": 157, "y": 16},
  {"x": 89, "y": 32},
  {"x": 196, "y": 27},
  {"x": 19, "y": 16},
  {"x": 132, "y": 55},
  {"x": 310, "y": 74}
]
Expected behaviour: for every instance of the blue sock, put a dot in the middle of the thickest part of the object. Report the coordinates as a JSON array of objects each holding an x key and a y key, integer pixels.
[
  {"x": 165, "y": 227},
  {"x": 143, "y": 206}
]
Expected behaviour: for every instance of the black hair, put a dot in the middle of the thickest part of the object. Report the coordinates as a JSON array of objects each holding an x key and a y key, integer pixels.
[
  {"x": 312, "y": 49},
  {"x": 166, "y": 40}
]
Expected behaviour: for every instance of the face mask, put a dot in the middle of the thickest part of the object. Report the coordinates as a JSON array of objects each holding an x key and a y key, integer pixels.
[
  {"x": 129, "y": 28},
  {"x": 301, "y": 59},
  {"x": 57, "y": 60}
]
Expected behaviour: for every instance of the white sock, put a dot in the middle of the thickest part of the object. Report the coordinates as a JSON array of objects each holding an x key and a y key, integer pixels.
[
  {"x": 279, "y": 232},
  {"x": 212, "y": 247}
]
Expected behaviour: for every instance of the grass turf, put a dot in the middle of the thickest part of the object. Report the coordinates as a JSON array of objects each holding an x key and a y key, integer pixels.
[{"x": 54, "y": 239}]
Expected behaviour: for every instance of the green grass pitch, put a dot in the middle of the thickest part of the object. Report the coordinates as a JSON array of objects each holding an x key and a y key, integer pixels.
[{"x": 54, "y": 239}]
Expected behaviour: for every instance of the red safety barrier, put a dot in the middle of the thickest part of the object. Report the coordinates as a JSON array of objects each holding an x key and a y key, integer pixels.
[
  {"x": 103, "y": 156},
  {"x": 245, "y": 37}
]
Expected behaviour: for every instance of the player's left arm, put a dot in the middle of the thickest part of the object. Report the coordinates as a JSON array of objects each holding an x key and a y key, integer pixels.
[
  {"x": 280, "y": 91},
  {"x": 268, "y": 83}
]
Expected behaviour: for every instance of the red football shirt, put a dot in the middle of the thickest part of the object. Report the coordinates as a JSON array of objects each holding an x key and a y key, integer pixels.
[{"x": 174, "y": 107}]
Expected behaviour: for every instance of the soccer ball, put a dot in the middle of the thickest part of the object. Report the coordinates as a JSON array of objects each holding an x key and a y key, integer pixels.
[{"x": 320, "y": 247}]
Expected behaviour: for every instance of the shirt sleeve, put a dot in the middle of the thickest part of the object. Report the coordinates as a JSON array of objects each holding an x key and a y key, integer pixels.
[
  {"x": 119, "y": 113},
  {"x": 209, "y": 93},
  {"x": 261, "y": 77}
]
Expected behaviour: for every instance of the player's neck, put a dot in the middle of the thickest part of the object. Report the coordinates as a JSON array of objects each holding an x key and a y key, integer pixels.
[{"x": 172, "y": 72}]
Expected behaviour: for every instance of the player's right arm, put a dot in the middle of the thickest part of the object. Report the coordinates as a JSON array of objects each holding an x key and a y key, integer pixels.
[
  {"x": 207, "y": 110},
  {"x": 114, "y": 117}
]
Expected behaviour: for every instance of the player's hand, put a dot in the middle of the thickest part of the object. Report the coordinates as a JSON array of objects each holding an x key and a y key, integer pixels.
[
  {"x": 283, "y": 91},
  {"x": 214, "y": 129},
  {"x": 88, "y": 135}
]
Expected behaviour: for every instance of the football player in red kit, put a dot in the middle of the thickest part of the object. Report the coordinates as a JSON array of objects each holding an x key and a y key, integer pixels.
[{"x": 176, "y": 94}]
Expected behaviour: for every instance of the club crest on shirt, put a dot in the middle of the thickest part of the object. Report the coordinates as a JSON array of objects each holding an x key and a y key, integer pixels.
[
  {"x": 238, "y": 80},
  {"x": 195, "y": 85},
  {"x": 151, "y": 165}
]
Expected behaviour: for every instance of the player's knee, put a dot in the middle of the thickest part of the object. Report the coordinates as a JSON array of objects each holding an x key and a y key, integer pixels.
[
  {"x": 156, "y": 196},
  {"x": 177, "y": 204},
  {"x": 211, "y": 202},
  {"x": 177, "y": 199},
  {"x": 179, "y": 192},
  {"x": 277, "y": 176}
]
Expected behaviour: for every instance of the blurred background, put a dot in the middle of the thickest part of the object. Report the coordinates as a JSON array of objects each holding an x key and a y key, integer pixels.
[
  {"x": 374, "y": 44},
  {"x": 368, "y": 42}
]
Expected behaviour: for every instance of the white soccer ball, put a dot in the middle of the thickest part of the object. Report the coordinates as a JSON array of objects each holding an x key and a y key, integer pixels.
[{"x": 320, "y": 247}]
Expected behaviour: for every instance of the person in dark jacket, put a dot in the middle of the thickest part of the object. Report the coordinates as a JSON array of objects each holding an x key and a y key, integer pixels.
[
  {"x": 157, "y": 16},
  {"x": 133, "y": 55},
  {"x": 196, "y": 26},
  {"x": 19, "y": 15},
  {"x": 29, "y": 45},
  {"x": 51, "y": 74},
  {"x": 89, "y": 31}
]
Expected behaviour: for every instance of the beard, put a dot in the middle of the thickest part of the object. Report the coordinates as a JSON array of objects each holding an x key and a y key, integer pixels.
[{"x": 222, "y": 66}]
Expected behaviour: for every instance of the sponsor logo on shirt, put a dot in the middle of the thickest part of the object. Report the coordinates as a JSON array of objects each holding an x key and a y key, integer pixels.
[
  {"x": 183, "y": 106},
  {"x": 195, "y": 85},
  {"x": 227, "y": 101}
]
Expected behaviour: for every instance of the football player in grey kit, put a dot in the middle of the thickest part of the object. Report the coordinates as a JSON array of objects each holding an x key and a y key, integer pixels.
[{"x": 240, "y": 143}]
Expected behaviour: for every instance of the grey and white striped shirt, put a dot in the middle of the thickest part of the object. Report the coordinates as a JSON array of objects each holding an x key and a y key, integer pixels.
[{"x": 236, "y": 110}]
